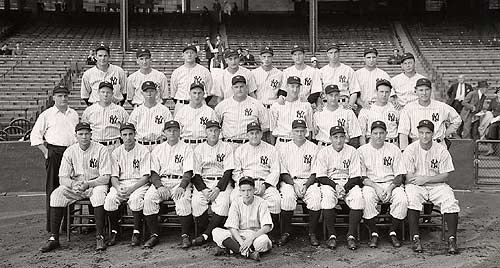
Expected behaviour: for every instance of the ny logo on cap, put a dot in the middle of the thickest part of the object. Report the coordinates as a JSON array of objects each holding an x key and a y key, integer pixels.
[
  {"x": 307, "y": 159},
  {"x": 135, "y": 163},
  {"x": 248, "y": 111},
  {"x": 301, "y": 114},
  {"x": 435, "y": 117},
  {"x": 93, "y": 163},
  {"x": 113, "y": 119},
  {"x": 341, "y": 122},
  {"x": 178, "y": 159},
  {"x": 434, "y": 163},
  {"x": 347, "y": 163},
  {"x": 203, "y": 120},
  {"x": 387, "y": 161},
  {"x": 308, "y": 81},
  {"x": 342, "y": 79},
  {"x": 113, "y": 80},
  {"x": 220, "y": 157},
  {"x": 391, "y": 117},
  {"x": 159, "y": 119}
]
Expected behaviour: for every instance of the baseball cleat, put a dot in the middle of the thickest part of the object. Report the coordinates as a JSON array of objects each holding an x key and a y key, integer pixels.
[
  {"x": 136, "y": 240},
  {"x": 152, "y": 241},
  {"x": 351, "y": 243},
  {"x": 100, "y": 244},
  {"x": 200, "y": 240},
  {"x": 417, "y": 246},
  {"x": 452, "y": 245},
  {"x": 186, "y": 242},
  {"x": 285, "y": 237},
  {"x": 395, "y": 241},
  {"x": 112, "y": 239},
  {"x": 50, "y": 245},
  {"x": 374, "y": 241},
  {"x": 254, "y": 255},
  {"x": 314, "y": 241},
  {"x": 331, "y": 243}
]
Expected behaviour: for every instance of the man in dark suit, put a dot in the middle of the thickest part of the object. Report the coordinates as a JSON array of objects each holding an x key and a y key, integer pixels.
[
  {"x": 456, "y": 94},
  {"x": 473, "y": 104},
  {"x": 246, "y": 57}
]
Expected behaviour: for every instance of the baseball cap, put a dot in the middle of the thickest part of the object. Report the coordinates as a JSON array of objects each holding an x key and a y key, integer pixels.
[
  {"x": 266, "y": 50},
  {"x": 482, "y": 84},
  {"x": 331, "y": 88},
  {"x": 212, "y": 123},
  {"x": 143, "y": 52},
  {"x": 426, "y": 123},
  {"x": 148, "y": 85},
  {"x": 293, "y": 80},
  {"x": 423, "y": 82},
  {"x": 61, "y": 89},
  {"x": 82, "y": 125},
  {"x": 102, "y": 47},
  {"x": 197, "y": 85},
  {"x": 282, "y": 92},
  {"x": 299, "y": 123},
  {"x": 383, "y": 82},
  {"x": 105, "y": 84},
  {"x": 189, "y": 47},
  {"x": 332, "y": 46},
  {"x": 127, "y": 125},
  {"x": 407, "y": 56},
  {"x": 238, "y": 78},
  {"x": 313, "y": 98},
  {"x": 230, "y": 52},
  {"x": 246, "y": 180},
  {"x": 253, "y": 126},
  {"x": 314, "y": 59},
  {"x": 378, "y": 124},
  {"x": 336, "y": 129},
  {"x": 172, "y": 124},
  {"x": 297, "y": 48},
  {"x": 370, "y": 50}
]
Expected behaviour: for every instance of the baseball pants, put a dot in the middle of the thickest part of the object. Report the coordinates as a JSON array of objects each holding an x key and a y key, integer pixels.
[
  {"x": 62, "y": 196},
  {"x": 398, "y": 200},
  {"x": 261, "y": 244},
  {"x": 152, "y": 199},
  {"x": 220, "y": 205},
  {"x": 135, "y": 200},
  {"x": 440, "y": 195},
  {"x": 271, "y": 195},
  {"x": 52, "y": 164}
]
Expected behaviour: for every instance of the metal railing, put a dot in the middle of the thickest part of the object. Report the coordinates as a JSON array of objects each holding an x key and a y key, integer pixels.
[{"x": 487, "y": 167}]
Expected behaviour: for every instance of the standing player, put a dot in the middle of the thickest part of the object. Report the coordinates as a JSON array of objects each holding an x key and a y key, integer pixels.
[
  {"x": 367, "y": 78},
  {"x": 382, "y": 168},
  {"x": 185, "y": 75},
  {"x": 131, "y": 167},
  {"x": 381, "y": 110},
  {"x": 194, "y": 116},
  {"x": 84, "y": 173},
  {"x": 404, "y": 83},
  {"x": 103, "y": 71},
  {"x": 55, "y": 125},
  {"x": 428, "y": 165},
  {"x": 145, "y": 73},
  {"x": 267, "y": 78},
  {"x": 214, "y": 164},
  {"x": 307, "y": 74},
  {"x": 234, "y": 69},
  {"x": 337, "y": 73},
  {"x": 425, "y": 108},
  {"x": 105, "y": 118},
  {"x": 335, "y": 115},
  {"x": 150, "y": 117}
]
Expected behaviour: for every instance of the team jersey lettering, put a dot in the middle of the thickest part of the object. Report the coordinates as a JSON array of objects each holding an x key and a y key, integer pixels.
[
  {"x": 203, "y": 120},
  {"x": 113, "y": 80},
  {"x": 220, "y": 157},
  {"x": 347, "y": 163},
  {"x": 308, "y": 81},
  {"x": 248, "y": 112},
  {"x": 388, "y": 161},
  {"x": 307, "y": 159},
  {"x": 198, "y": 79},
  {"x": 93, "y": 163},
  {"x": 342, "y": 79},
  {"x": 178, "y": 158},
  {"x": 264, "y": 160},
  {"x": 274, "y": 83},
  {"x": 391, "y": 117},
  {"x": 341, "y": 122},
  {"x": 435, "y": 117},
  {"x": 159, "y": 119},
  {"x": 135, "y": 163},
  {"x": 301, "y": 114},
  {"x": 434, "y": 163},
  {"x": 113, "y": 119}
]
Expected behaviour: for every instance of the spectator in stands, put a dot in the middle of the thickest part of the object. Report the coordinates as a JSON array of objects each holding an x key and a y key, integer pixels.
[
  {"x": 18, "y": 51},
  {"x": 217, "y": 61},
  {"x": 91, "y": 60},
  {"x": 456, "y": 94},
  {"x": 209, "y": 49},
  {"x": 218, "y": 10},
  {"x": 490, "y": 123},
  {"x": 314, "y": 63},
  {"x": 5, "y": 50},
  {"x": 395, "y": 58},
  {"x": 472, "y": 105},
  {"x": 246, "y": 57},
  {"x": 404, "y": 83},
  {"x": 220, "y": 44}
]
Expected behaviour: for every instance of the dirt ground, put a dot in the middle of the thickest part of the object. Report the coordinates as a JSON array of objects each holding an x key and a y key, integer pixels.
[{"x": 22, "y": 233}]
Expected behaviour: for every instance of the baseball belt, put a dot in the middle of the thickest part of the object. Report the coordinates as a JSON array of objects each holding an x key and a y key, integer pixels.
[
  {"x": 212, "y": 178},
  {"x": 181, "y": 101},
  {"x": 151, "y": 142},
  {"x": 322, "y": 143},
  {"x": 284, "y": 139},
  {"x": 438, "y": 140},
  {"x": 299, "y": 178},
  {"x": 196, "y": 141},
  {"x": 392, "y": 140},
  {"x": 171, "y": 176},
  {"x": 235, "y": 140},
  {"x": 107, "y": 143}
]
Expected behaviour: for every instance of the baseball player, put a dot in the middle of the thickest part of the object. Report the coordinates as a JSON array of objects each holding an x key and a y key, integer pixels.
[
  {"x": 382, "y": 170},
  {"x": 105, "y": 118},
  {"x": 381, "y": 110},
  {"x": 103, "y": 71},
  {"x": 131, "y": 167},
  {"x": 234, "y": 69},
  {"x": 214, "y": 164},
  {"x": 425, "y": 108},
  {"x": 282, "y": 116},
  {"x": 54, "y": 125},
  {"x": 259, "y": 160},
  {"x": 404, "y": 83},
  {"x": 309, "y": 76},
  {"x": 338, "y": 173},
  {"x": 237, "y": 112},
  {"x": 248, "y": 223},
  {"x": 185, "y": 75},
  {"x": 150, "y": 117},
  {"x": 267, "y": 78},
  {"x": 367, "y": 78},
  {"x": 297, "y": 159},
  {"x": 337, "y": 73},
  {"x": 145, "y": 73},
  {"x": 172, "y": 167},
  {"x": 194, "y": 116},
  {"x": 84, "y": 173},
  {"x": 428, "y": 164},
  {"x": 335, "y": 115}
]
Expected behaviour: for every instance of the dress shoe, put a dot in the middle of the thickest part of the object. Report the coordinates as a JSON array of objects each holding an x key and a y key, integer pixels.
[
  {"x": 331, "y": 243},
  {"x": 452, "y": 245},
  {"x": 112, "y": 239},
  {"x": 100, "y": 244},
  {"x": 200, "y": 240},
  {"x": 395, "y": 241},
  {"x": 417, "y": 246},
  {"x": 136, "y": 239},
  {"x": 186, "y": 242},
  {"x": 351, "y": 243},
  {"x": 50, "y": 245},
  {"x": 314, "y": 241},
  {"x": 152, "y": 241},
  {"x": 285, "y": 237},
  {"x": 374, "y": 241},
  {"x": 254, "y": 255}
]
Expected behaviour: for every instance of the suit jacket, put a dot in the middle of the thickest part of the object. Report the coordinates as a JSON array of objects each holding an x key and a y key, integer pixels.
[
  {"x": 452, "y": 92},
  {"x": 472, "y": 104}
]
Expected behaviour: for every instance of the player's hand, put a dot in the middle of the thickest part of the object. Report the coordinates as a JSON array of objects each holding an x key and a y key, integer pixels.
[
  {"x": 381, "y": 193},
  {"x": 214, "y": 194},
  {"x": 122, "y": 191},
  {"x": 419, "y": 180},
  {"x": 245, "y": 246},
  {"x": 340, "y": 191},
  {"x": 178, "y": 192},
  {"x": 259, "y": 189},
  {"x": 76, "y": 186},
  {"x": 84, "y": 186},
  {"x": 388, "y": 194},
  {"x": 164, "y": 193},
  {"x": 205, "y": 192},
  {"x": 297, "y": 189}
]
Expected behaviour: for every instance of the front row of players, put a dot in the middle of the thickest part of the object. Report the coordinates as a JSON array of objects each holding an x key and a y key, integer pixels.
[{"x": 194, "y": 179}]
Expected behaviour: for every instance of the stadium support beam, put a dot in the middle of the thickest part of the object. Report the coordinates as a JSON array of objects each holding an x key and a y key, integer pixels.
[
  {"x": 6, "y": 5},
  {"x": 313, "y": 25},
  {"x": 124, "y": 25}
]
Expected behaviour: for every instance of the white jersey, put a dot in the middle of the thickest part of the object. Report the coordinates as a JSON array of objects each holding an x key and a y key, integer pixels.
[
  {"x": 338, "y": 165},
  {"x": 261, "y": 161},
  {"x": 387, "y": 114},
  {"x": 183, "y": 77},
  {"x": 192, "y": 121},
  {"x": 212, "y": 161},
  {"x": 134, "y": 86},
  {"x": 225, "y": 89},
  {"x": 368, "y": 82},
  {"x": 55, "y": 127},
  {"x": 130, "y": 166},
  {"x": 282, "y": 116},
  {"x": 150, "y": 122},
  {"x": 326, "y": 119},
  {"x": 343, "y": 76},
  {"x": 437, "y": 160},
  {"x": 105, "y": 121},
  {"x": 383, "y": 164},
  {"x": 309, "y": 77},
  {"x": 404, "y": 87},
  {"x": 268, "y": 83},
  {"x": 298, "y": 161},
  {"x": 437, "y": 112},
  {"x": 172, "y": 160},
  {"x": 235, "y": 116},
  {"x": 93, "y": 77},
  {"x": 80, "y": 165}
]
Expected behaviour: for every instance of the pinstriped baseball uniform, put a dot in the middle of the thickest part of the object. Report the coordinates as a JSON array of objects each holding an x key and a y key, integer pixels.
[
  {"x": 170, "y": 160},
  {"x": 343, "y": 76},
  {"x": 387, "y": 114},
  {"x": 298, "y": 162},
  {"x": 225, "y": 86},
  {"x": 150, "y": 122},
  {"x": 80, "y": 165},
  {"x": 192, "y": 121},
  {"x": 367, "y": 82},
  {"x": 282, "y": 116},
  {"x": 129, "y": 167},
  {"x": 134, "y": 84},
  {"x": 381, "y": 166},
  {"x": 326, "y": 119},
  {"x": 212, "y": 161},
  {"x": 93, "y": 76},
  {"x": 311, "y": 82},
  {"x": 105, "y": 121},
  {"x": 183, "y": 77},
  {"x": 339, "y": 167},
  {"x": 404, "y": 87},
  {"x": 261, "y": 161},
  {"x": 437, "y": 160},
  {"x": 268, "y": 83},
  {"x": 437, "y": 112}
]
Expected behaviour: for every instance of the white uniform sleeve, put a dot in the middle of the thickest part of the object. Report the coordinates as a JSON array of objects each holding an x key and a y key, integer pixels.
[
  {"x": 188, "y": 163},
  {"x": 38, "y": 131},
  {"x": 85, "y": 89},
  {"x": 146, "y": 163},
  {"x": 316, "y": 82},
  {"x": 164, "y": 87},
  {"x": 404, "y": 122},
  {"x": 355, "y": 166},
  {"x": 354, "y": 128},
  {"x": 274, "y": 174}
]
